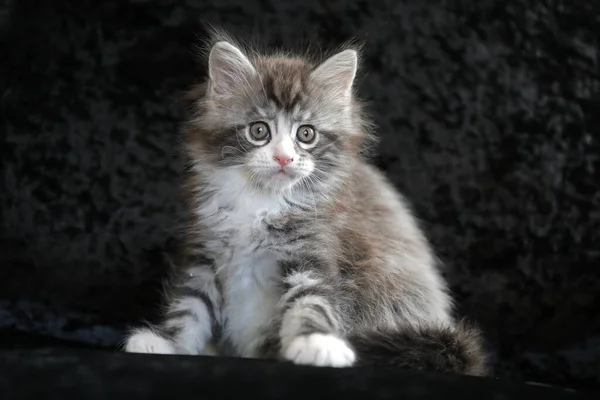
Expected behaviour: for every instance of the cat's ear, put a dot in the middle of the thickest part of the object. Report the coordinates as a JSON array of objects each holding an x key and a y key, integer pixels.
[
  {"x": 337, "y": 72},
  {"x": 228, "y": 68}
]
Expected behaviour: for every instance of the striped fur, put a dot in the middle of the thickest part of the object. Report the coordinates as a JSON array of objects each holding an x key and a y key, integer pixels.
[{"x": 318, "y": 261}]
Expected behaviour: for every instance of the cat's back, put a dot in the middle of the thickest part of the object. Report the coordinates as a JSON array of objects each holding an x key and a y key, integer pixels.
[
  {"x": 377, "y": 226},
  {"x": 385, "y": 255},
  {"x": 374, "y": 202}
]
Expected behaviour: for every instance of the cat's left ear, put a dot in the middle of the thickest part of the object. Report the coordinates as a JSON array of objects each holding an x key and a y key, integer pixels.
[
  {"x": 337, "y": 73},
  {"x": 228, "y": 69}
]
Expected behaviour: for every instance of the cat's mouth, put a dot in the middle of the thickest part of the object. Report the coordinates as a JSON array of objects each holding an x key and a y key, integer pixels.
[
  {"x": 282, "y": 176},
  {"x": 277, "y": 178}
]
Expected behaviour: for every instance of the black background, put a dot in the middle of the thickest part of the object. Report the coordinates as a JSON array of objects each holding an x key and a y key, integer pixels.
[{"x": 488, "y": 113}]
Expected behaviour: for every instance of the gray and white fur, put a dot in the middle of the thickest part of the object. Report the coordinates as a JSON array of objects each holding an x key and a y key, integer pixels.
[{"x": 297, "y": 248}]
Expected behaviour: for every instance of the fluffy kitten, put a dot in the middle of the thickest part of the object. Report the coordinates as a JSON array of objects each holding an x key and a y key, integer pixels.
[{"x": 298, "y": 249}]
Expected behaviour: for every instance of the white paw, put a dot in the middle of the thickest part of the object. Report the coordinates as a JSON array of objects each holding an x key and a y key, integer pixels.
[
  {"x": 321, "y": 350},
  {"x": 146, "y": 341}
]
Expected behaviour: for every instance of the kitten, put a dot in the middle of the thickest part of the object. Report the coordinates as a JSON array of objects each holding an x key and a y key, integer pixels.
[{"x": 298, "y": 249}]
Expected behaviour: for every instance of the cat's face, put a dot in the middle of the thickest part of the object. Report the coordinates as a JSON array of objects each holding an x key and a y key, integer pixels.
[
  {"x": 280, "y": 150},
  {"x": 280, "y": 121}
]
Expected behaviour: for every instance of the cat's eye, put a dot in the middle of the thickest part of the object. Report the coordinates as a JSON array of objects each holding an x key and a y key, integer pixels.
[
  {"x": 306, "y": 134},
  {"x": 259, "y": 131}
]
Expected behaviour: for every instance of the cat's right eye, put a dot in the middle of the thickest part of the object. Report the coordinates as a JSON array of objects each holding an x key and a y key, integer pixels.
[{"x": 259, "y": 131}]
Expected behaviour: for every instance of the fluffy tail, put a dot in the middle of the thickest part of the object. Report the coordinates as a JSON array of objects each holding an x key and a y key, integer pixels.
[{"x": 457, "y": 349}]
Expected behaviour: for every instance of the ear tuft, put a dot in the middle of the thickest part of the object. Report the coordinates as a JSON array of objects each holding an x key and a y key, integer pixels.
[
  {"x": 338, "y": 71},
  {"x": 228, "y": 68}
]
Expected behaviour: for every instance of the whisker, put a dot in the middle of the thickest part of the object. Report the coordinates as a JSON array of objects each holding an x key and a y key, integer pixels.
[
  {"x": 230, "y": 149},
  {"x": 313, "y": 195},
  {"x": 237, "y": 137}
]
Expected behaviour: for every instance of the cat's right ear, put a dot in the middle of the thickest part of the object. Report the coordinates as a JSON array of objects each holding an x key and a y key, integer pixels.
[{"x": 228, "y": 68}]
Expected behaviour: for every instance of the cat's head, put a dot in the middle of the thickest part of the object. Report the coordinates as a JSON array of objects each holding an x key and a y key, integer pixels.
[{"x": 283, "y": 122}]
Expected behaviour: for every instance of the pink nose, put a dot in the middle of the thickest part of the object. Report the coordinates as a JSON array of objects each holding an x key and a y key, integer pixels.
[{"x": 283, "y": 160}]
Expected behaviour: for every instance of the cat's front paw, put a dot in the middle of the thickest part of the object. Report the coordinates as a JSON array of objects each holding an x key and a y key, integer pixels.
[
  {"x": 318, "y": 349},
  {"x": 146, "y": 341}
]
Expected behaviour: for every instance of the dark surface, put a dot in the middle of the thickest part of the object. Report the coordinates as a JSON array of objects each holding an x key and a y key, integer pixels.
[
  {"x": 104, "y": 375},
  {"x": 488, "y": 113}
]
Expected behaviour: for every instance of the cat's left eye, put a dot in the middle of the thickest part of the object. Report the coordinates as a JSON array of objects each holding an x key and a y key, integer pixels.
[{"x": 306, "y": 134}]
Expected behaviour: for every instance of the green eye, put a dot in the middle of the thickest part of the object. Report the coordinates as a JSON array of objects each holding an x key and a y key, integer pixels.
[
  {"x": 306, "y": 134},
  {"x": 259, "y": 131}
]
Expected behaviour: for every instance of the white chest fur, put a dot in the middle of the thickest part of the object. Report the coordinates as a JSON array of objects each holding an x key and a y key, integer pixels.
[
  {"x": 249, "y": 274},
  {"x": 251, "y": 294}
]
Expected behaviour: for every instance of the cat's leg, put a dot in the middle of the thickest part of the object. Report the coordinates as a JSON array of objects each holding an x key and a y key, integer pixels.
[
  {"x": 310, "y": 330},
  {"x": 189, "y": 320}
]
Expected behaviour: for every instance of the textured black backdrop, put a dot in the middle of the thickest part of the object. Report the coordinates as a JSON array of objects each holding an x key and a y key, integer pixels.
[{"x": 488, "y": 112}]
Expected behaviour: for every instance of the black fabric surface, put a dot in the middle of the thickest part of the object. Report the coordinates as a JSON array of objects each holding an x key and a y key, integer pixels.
[
  {"x": 488, "y": 117},
  {"x": 103, "y": 375}
]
